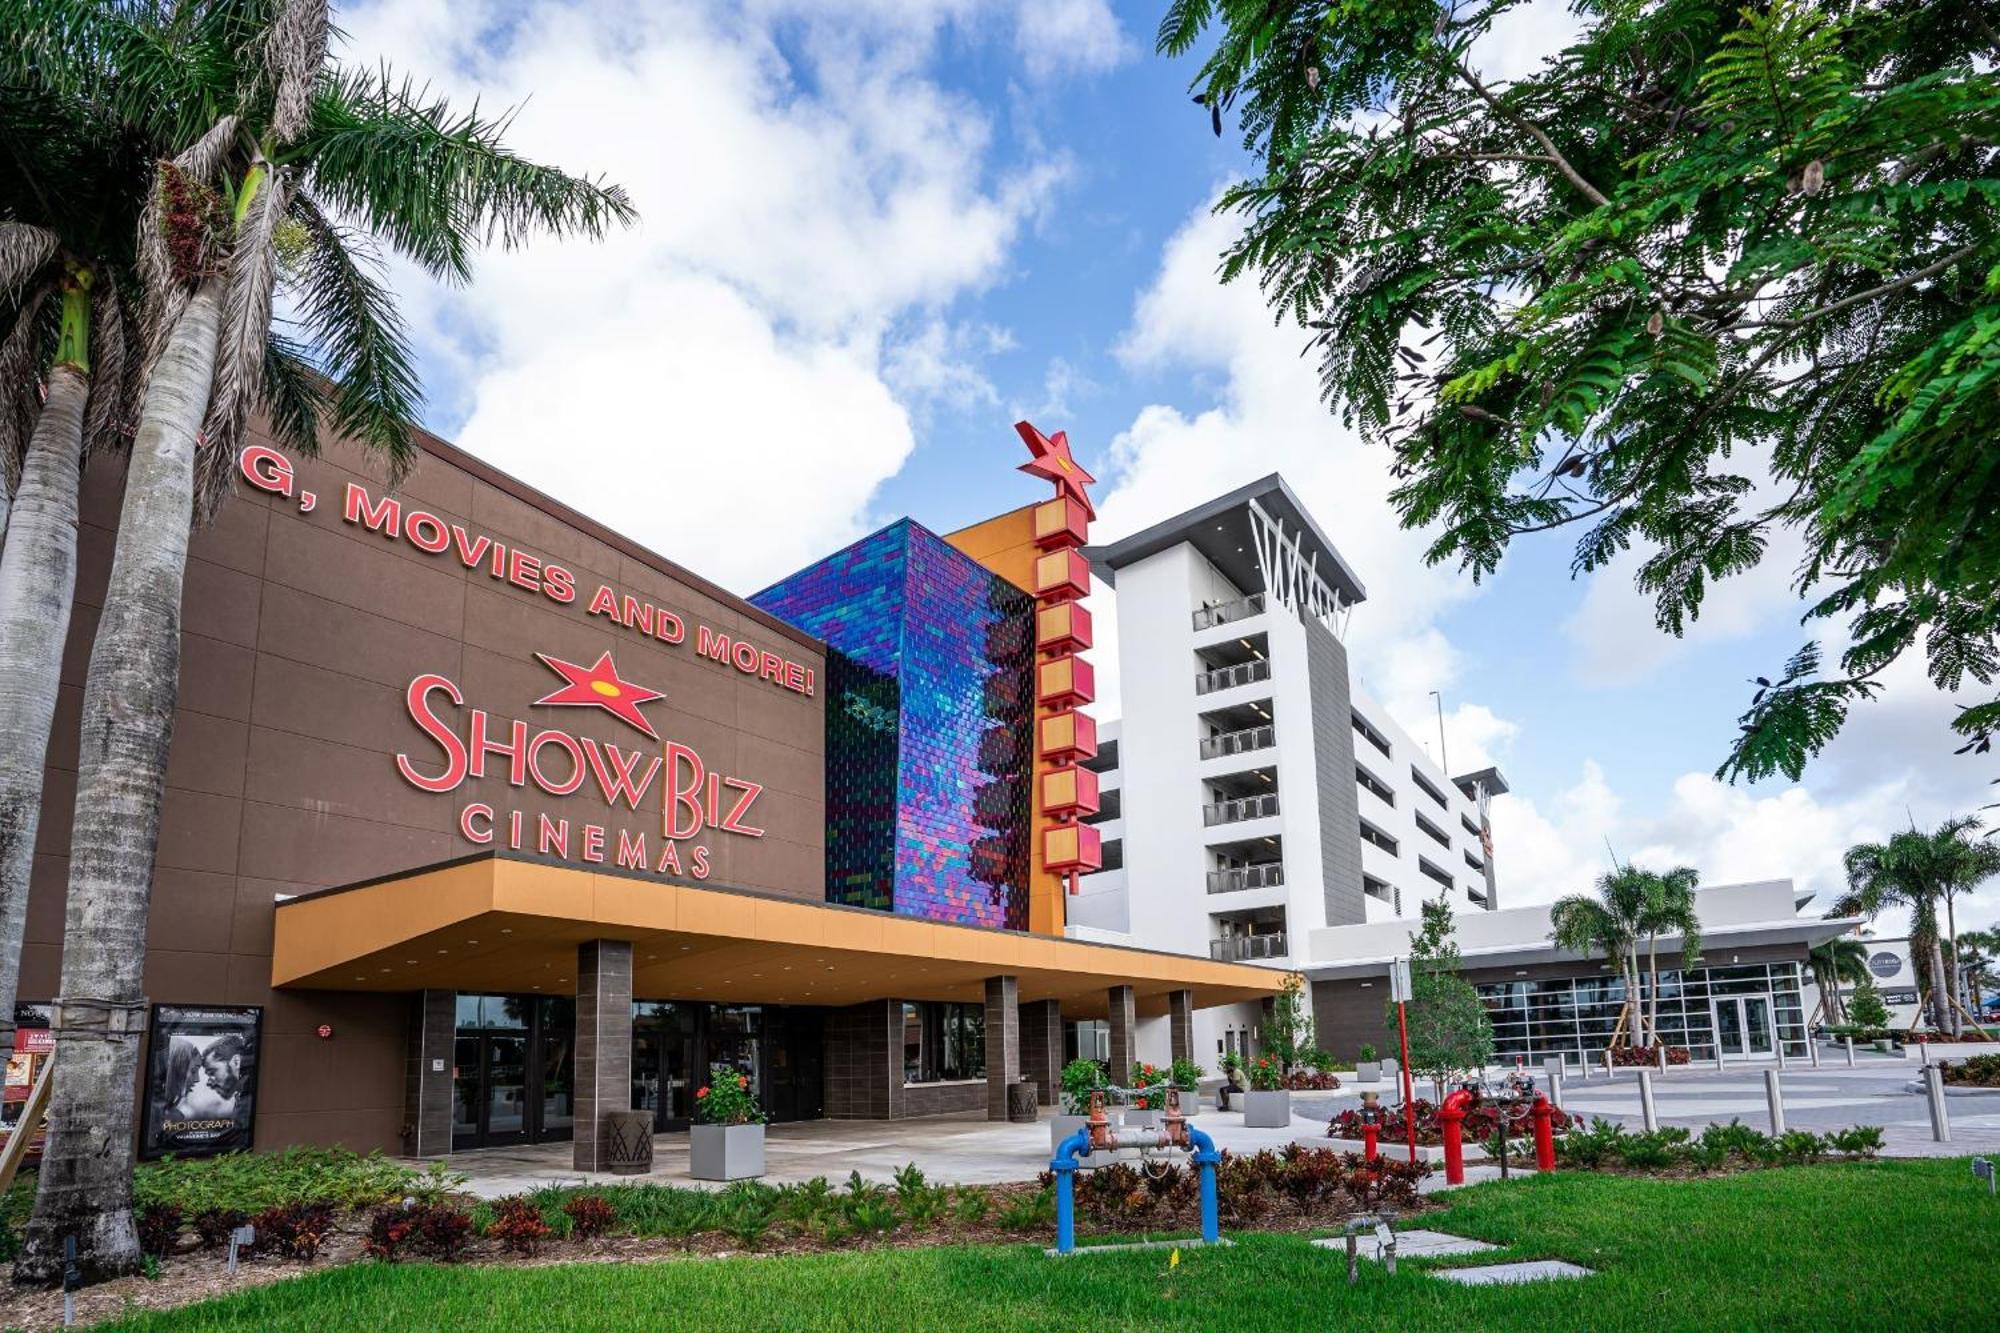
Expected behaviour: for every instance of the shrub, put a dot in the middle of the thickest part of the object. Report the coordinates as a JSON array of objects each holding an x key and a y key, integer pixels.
[
  {"x": 746, "y": 1210},
  {"x": 294, "y": 1230},
  {"x": 971, "y": 1204},
  {"x": 1856, "y": 1141},
  {"x": 1975, "y": 1071},
  {"x": 248, "y": 1182},
  {"x": 1311, "y": 1080},
  {"x": 1624, "y": 1056},
  {"x": 1319, "y": 1061},
  {"x": 1653, "y": 1151},
  {"x": 390, "y": 1228},
  {"x": 1185, "y": 1075},
  {"x": 159, "y": 1229},
  {"x": 1800, "y": 1145},
  {"x": 517, "y": 1224},
  {"x": 1266, "y": 1075},
  {"x": 1591, "y": 1147},
  {"x": 443, "y": 1230},
  {"x": 1367, "y": 1054},
  {"x": 727, "y": 1098},
  {"x": 1029, "y": 1212},
  {"x": 590, "y": 1215},
  {"x": 213, "y": 1225},
  {"x": 1080, "y": 1078}
]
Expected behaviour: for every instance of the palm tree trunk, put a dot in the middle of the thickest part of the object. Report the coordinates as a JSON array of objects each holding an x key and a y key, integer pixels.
[
  {"x": 1946, "y": 1020},
  {"x": 37, "y": 585},
  {"x": 1653, "y": 981},
  {"x": 1957, "y": 980},
  {"x": 85, "y": 1189}
]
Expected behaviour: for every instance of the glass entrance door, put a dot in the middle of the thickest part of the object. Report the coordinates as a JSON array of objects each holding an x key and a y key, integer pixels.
[
  {"x": 1743, "y": 1026},
  {"x": 513, "y": 1075}
]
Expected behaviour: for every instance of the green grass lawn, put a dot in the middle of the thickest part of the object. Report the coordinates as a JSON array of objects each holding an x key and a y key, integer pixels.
[{"x": 1860, "y": 1245}]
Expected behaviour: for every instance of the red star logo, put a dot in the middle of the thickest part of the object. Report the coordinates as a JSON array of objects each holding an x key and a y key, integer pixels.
[
  {"x": 1052, "y": 460},
  {"x": 600, "y": 686}
]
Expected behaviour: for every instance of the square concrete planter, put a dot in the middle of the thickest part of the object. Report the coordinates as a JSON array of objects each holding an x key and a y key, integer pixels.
[
  {"x": 725, "y": 1152},
  {"x": 1367, "y": 1071},
  {"x": 1267, "y": 1110}
]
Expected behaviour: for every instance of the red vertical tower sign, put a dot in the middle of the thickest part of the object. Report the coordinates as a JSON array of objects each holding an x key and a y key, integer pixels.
[{"x": 1065, "y": 735}]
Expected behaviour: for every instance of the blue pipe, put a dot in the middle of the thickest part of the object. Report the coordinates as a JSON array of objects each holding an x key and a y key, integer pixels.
[
  {"x": 1205, "y": 1157},
  {"x": 1064, "y": 1165}
]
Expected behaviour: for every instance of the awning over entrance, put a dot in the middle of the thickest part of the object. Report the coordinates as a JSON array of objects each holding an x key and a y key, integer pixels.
[{"x": 501, "y": 923}]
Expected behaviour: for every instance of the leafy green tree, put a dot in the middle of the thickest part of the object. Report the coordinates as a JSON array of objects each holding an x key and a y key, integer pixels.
[
  {"x": 1866, "y": 1007},
  {"x": 1450, "y": 1032},
  {"x": 1288, "y": 1033},
  {"x": 1712, "y": 275},
  {"x": 274, "y": 167}
]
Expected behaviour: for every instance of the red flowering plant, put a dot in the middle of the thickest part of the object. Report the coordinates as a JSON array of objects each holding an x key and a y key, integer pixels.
[
  {"x": 727, "y": 1098},
  {"x": 1266, "y": 1075},
  {"x": 1151, "y": 1081}
]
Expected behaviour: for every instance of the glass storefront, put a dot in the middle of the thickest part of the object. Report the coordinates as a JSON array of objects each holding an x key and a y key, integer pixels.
[
  {"x": 675, "y": 1043},
  {"x": 1744, "y": 1011},
  {"x": 513, "y": 1070}
]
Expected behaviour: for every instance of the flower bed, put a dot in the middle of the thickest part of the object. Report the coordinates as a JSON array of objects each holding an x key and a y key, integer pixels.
[
  {"x": 1297, "y": 1187},
  {"x": 1630, "y": 1056},
  {"x": 1311, "y": 1080},
  {"x": 1975, "y": 1071},
  {"x": 1607, "y": 1145},
  {"x": 1482, "y": 1122}
]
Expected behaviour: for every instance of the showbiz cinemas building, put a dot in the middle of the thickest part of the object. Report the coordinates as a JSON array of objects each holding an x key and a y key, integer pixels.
[{"x": 483, "y": 821}]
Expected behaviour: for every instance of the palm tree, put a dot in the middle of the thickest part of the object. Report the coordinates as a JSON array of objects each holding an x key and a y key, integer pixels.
[
  {"x": 270, "y": 143},
  {"x": 67, "y": 219},
  {"x": 1920, "y": 871},
  {"x": 1612, "y": 924},
  {"x": 1968, "y": 862},
  {"x": 1670, "y": 910},
  {"x": 1832, "y": 963},
  {"x": 1981, "y": 948}
]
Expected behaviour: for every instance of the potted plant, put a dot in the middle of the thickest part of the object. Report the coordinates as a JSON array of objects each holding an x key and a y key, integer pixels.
[
  {"x": 1367, "y": 1069},
  {"x": 1186, "y": 1075},
  {"x": 1079, "y": 1079},
  {"x": 1151, "y": 1082},
  {"x": 1267, "y": 1105},
  {"x": 727, "y": 1141}
]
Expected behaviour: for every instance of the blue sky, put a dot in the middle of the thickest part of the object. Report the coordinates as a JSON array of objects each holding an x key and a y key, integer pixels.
[{"x": 876, "y": 233}]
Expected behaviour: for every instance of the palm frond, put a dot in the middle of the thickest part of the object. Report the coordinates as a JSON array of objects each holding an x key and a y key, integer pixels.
[
  {"x": 24, "y": 250},
  {"x": 20, "y": 380},
  {"x": 294, "y": 54},
  {"x": 433, "y": 182},
  {"x": 109, "y": 406},
  {"x": 291, "y": 395},
  {"x": 246, "y": 323},
  {"x": 350, "y": 319}
]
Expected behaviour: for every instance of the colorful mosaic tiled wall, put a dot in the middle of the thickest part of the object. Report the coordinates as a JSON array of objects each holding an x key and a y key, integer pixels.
[{"x": 930, "y": 715}]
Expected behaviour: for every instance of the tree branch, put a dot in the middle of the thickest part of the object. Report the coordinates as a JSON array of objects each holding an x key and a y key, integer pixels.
[
  {"x": 1859, "y": 298},
  {"x": 1562, "y": 164}
]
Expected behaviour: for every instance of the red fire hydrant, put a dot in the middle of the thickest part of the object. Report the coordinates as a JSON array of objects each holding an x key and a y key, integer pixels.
[
  {"x": 1545, "y": 1135},
  {"x": 1451, "y": 1120},
  {"x": 1370, "y": 1133}
]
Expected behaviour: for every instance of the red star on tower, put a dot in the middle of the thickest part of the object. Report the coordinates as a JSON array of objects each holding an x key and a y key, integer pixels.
[
  {"x": 1052, "y": 460},
  {"x": 600, "y": 686}
]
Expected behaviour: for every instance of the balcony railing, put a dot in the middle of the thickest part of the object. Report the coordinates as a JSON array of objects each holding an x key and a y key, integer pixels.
[
  {"x": 1239, "y": 742},
  {"x": 1229, "y": 677},
  {"x": 1245, "y": 807},
  {"x": 1208, "y": 617},
  {"x": 1266, "y": 876},
  {"x": 1241, "y": 948}
]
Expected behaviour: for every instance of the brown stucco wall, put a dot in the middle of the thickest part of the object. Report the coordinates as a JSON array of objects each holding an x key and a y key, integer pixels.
[{"x": 301, "y": 634}]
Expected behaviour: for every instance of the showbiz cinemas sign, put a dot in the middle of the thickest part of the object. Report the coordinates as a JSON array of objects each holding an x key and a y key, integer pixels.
[{"x": 622, "y": 794}]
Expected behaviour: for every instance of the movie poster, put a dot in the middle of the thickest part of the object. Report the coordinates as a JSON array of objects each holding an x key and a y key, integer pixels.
[{"x": 201, "y": 1083}]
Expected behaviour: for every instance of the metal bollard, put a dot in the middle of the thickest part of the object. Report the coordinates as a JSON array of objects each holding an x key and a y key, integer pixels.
[
  {"x": 1940, "y": 1117},
  {"x": 1774, "y": 1095},
  {"x": 1924, "y": 1053},
  {"x": 1647, "y": 1112},
  {"x": 1660, "y": 1056},
  {"x": 1720, "y": 1063},
  {"x": 1607, "y": 1062},
  {"x": 1779, "y": 1046},
  {"x": 1812, "y": 1052},
  {"x": 1556, "y": 1088},
  {"x": 1850, "y": 1051}
]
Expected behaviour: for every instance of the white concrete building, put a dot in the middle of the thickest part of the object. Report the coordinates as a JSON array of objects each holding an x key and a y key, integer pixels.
[{"x": 1252, "y": 794}]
